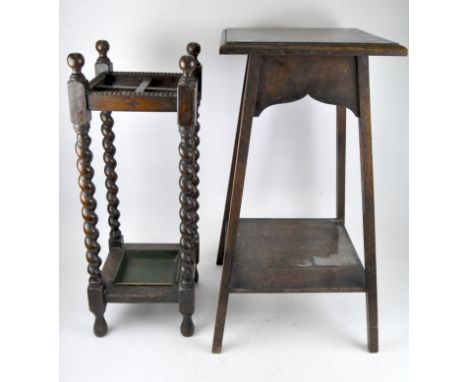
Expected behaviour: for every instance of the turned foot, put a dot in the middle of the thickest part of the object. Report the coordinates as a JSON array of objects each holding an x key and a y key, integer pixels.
[
  {"x": 187, "y": 328},
  {"x": 100, "y": 327},
  {"x": 97, "y": 306}
]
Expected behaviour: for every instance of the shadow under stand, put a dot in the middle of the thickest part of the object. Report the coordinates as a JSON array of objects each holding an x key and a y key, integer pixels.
[{"x": 135, "y": 272}]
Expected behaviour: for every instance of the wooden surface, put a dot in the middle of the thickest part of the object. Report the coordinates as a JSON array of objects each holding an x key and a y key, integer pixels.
[
  {"x": 289, "y": 78},
  {"x": 249, "y": 98},
  {"x": 142, "y": 276},
  {"x": 115, "y": 235},
  {"x": 81, "y": 117},
  {"x": 295, "y": 255},
  {"x": 340, "y": 163},
  {"x": 284, "y": 65},
  {"x": 140, "y": 293},
  {"x": 134, "y": 91},
  {"x": 321, "y": 41},
  {"x": 368, "y": 214},
  {"x": 148, "y": 267},
  {"x": 227, "y": 206},
  {"x": 187, "y": 113}
]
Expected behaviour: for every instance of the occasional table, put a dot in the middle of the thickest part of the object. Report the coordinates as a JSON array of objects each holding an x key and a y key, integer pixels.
[
  {"x": 301, "y": 255},
  {"x": 138, "y": 272}
]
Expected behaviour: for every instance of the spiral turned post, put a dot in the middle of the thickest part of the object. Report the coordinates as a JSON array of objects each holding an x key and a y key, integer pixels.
[
  {"x": 187, "y": 210},
  {"x": 88, "y": 203},
  {"x": 187, "y": 91},
  {"x": 196, "y": 194},
  {"x": 81, "y": 117},
  {"x": 115, "y": 235},
  {"x": 194, "y": 49}
]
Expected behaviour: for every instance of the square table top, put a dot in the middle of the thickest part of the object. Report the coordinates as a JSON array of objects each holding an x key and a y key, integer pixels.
[{"x": 309, "y": 41}]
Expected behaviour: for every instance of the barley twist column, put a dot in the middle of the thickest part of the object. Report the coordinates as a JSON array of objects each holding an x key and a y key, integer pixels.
[
  {"x": 193, "y": 49},
  {"x": 81, "y": 117},
  {"x": 115, "y": 235},
  {"x": 88, "y": 203},
  {"x": 104, "y": 65},
  {"x": 187, "y": 95}
]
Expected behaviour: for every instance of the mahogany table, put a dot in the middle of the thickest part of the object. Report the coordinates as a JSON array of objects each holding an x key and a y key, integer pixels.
[
  {"x": 138, "y": 272},
  {"x": 301, "y": 255}
]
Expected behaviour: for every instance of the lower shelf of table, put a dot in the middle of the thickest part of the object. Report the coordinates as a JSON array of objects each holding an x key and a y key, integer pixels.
[
  {"x": 142, "y": 273},
  {"x": 295, "y": 255}
]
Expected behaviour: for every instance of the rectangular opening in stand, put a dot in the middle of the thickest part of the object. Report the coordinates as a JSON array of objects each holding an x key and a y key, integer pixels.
[
  {"x": 122, "y": 81},
  {"x": 142, "y": 265},
  {"x": 139, "y": 91}
]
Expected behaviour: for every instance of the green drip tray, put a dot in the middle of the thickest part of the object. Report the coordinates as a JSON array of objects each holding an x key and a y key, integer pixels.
[{"x": 148, "y": 267}]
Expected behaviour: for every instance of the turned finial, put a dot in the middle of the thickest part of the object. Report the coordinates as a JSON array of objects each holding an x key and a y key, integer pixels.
[
  {"x": 187, "y": 64},
  {"x": 103, "y": 63},
  {"x": 193, "y": 48},
  {"x": 102, "y": 46},
  {"x": 76, "y": 61}
]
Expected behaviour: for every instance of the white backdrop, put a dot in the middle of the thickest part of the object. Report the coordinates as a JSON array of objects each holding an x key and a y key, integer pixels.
[{"x": 291, "y": 165}]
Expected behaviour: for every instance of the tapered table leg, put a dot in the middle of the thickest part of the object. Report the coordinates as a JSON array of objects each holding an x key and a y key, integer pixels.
[
  {"x": 340, "y": 162},
  {"x": 245, "y": 127},
  {"x": 227, "y": 206},
  {"x": 367, "y": 183}
]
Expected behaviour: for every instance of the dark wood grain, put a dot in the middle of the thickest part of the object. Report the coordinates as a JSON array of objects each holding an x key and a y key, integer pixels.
[
  {"x": 103, "y": 63},
  {"x": 138, "y": 272},
  {"x": 81, "y": 118},
  {"x": 194, "y": 50},
  {"x": 187, "y": 118},
  {"x": 116, "y": 81},
  {"x": 101, "y": 101},
  {"x": 115, "y": 235},
  {"x": 102, "y": 68},
  {"x": 89, "y": 204},
  {"x": 289, "y": 78},
  {"x": 340, "y": 162},
  {"x": 305, "y": 255},
  {"x": 246, "y": 118},
  {"x": 308, "y": 41},
  {"x": 367, "y": 183},
  {"x": 227, "y": 205},
  {"x": 133, "y": 91},
  {"x": 295, "y": 255}
]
